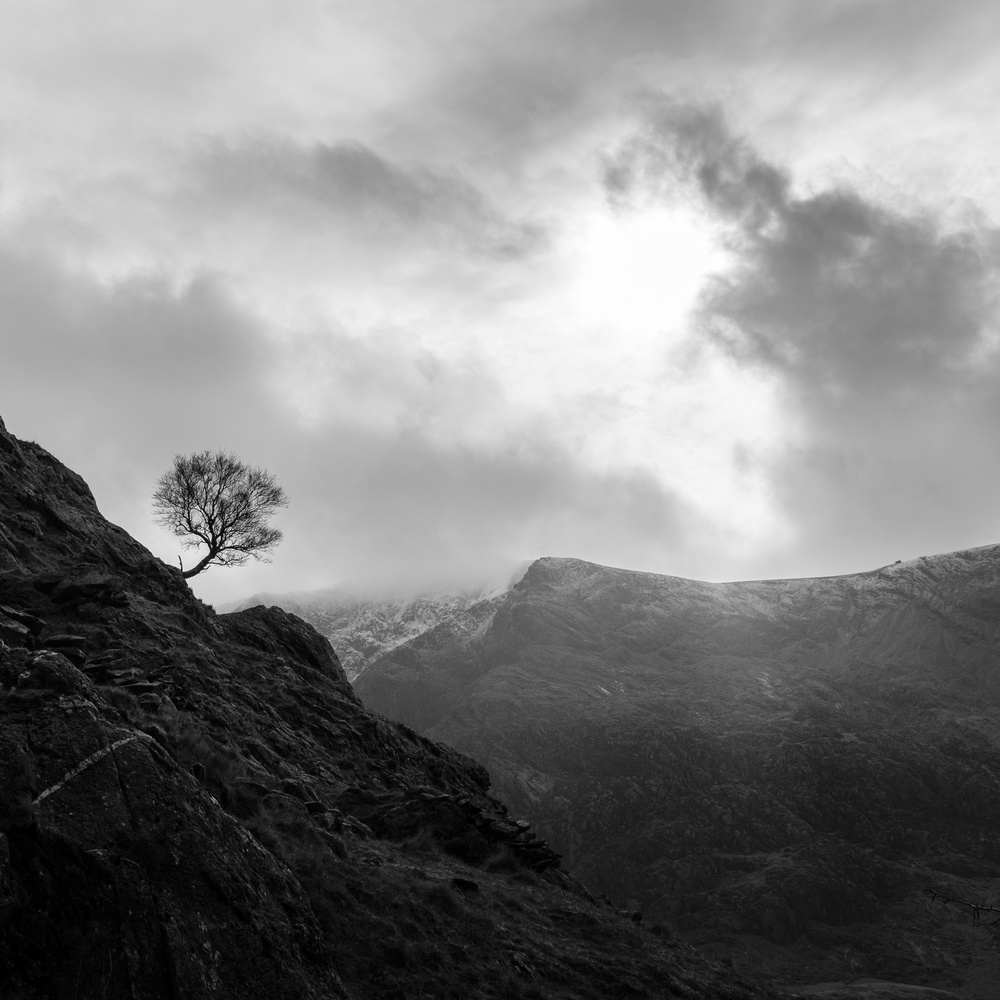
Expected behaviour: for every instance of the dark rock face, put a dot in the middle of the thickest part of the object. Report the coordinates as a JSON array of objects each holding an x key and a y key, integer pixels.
[
  {"x": 150, "y": 899},
  {"x": 794, "y": 760},
  {"x": 195, "y": 805}
]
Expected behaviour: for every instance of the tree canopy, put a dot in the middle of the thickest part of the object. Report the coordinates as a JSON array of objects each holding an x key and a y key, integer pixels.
[{"x": 214, "y": 499}]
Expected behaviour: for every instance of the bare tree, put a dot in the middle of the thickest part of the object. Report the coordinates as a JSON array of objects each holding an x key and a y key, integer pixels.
[{"x": 213, "y": 499}]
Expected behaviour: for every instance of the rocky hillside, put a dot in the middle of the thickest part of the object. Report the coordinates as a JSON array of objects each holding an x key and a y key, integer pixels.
[
  {"x": 195, "y": 805},
  {"x": 780, "y": 769}
]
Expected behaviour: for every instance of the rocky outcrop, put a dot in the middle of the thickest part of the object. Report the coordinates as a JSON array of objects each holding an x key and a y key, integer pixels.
[
  {"x": 460, "y": 823},
  {"x": 194, "y": 805}
]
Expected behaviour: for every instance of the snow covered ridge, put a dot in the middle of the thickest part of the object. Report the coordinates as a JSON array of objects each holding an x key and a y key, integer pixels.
[
  {"x": 937, "y": 580},
  {"x": 364, "y": 626}
]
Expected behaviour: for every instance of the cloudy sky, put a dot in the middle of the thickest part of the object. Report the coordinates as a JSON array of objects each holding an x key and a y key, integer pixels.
[{"x": 700, "y": 287}]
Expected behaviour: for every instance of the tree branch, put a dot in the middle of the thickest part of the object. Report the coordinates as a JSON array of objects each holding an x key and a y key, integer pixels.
[{"x": 977, "y": 910}]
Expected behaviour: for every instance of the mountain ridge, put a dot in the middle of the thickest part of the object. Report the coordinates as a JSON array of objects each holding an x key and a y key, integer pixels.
[
  {"x": 778, "y": 758},
  {"x": 365, "y": 624}
]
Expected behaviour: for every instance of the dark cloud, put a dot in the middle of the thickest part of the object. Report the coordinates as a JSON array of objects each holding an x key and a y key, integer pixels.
[
  {"x": 532, "y": 79},
  {"x": 334, "y": 183},
  {"x": 879, "y": 325},
  {"x": 850, "y": 297},
  {"x": 536, "y": 79},
  {"x": 118, "y": 376}
]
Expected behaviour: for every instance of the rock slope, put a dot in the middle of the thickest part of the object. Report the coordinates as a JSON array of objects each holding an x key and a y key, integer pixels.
[
  {"x": 777, "y": 768},
  {"x": 194, "y": 805}
]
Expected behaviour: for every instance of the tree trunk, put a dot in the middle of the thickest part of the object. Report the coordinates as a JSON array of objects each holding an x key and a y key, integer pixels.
[{"x": 198, "y": 567}]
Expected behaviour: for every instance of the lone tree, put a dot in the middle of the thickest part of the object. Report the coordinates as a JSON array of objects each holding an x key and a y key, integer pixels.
[{"x": 213, "y": 499}]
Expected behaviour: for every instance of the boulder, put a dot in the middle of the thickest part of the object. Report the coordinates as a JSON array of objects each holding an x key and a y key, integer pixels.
[
  {"x": 14, "y": 632},
  {"x": 33, "y": 623}
]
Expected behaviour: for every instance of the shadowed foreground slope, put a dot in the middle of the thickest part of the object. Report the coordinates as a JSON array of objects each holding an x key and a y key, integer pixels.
[{"x": 195, "y": 805}]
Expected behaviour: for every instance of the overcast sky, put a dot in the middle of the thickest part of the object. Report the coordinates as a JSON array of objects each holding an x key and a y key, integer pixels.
[{"x": 700, "y": 287}]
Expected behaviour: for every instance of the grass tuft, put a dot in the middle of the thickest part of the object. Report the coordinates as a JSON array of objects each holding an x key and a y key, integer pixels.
[{"x": 503, "y": 860}]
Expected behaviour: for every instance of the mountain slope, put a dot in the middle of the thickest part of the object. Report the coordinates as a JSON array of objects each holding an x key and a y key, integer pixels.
[
  {"x": 195, "y": 805},
  {"x": 793, "y": 760}
]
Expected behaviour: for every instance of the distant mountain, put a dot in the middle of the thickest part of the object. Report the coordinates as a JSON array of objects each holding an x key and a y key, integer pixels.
[
  {"x": 782, "y": 761},
  {"x": 362, "y": 627}
]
